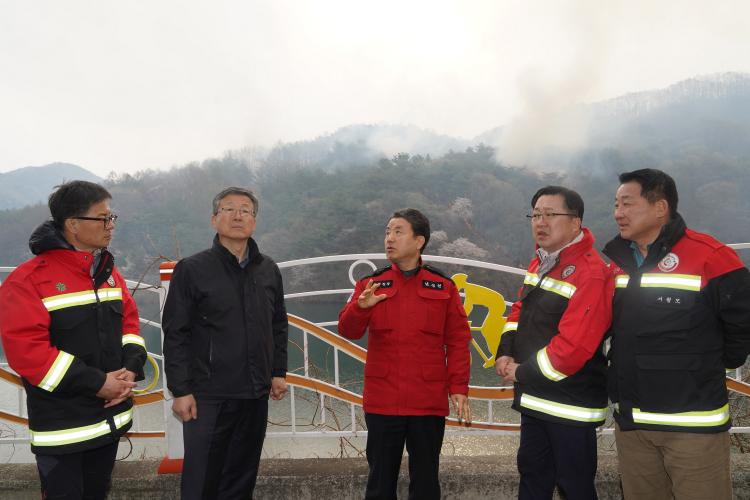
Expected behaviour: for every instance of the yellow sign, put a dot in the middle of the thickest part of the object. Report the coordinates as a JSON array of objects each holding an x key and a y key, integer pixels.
[{"x": 494, "y": 321}]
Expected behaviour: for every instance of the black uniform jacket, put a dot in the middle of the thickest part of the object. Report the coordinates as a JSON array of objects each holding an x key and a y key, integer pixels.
[
  {"x": 678, "y": 321},
  {"x": 225, "y": 327}
]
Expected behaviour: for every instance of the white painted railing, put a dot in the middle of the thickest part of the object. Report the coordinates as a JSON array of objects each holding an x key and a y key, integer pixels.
[{"x": 333, "y": 422}]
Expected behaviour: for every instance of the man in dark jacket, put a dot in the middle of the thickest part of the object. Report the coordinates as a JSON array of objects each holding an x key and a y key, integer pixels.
[
  {"x": 225, "y": 351},
  {"x": 681, "y": 316},
  {"x": 70, "y": 328},
  {"x": 551, "y": 349}
]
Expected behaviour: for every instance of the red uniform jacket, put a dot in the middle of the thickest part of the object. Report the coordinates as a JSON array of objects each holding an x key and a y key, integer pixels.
[
  {"x": 62, "y": 330},
  {"x": 418, "y": 343}
]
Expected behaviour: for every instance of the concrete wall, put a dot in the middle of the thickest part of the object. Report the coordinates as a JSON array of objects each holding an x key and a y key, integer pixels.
[{"x": 464, "y": 478}]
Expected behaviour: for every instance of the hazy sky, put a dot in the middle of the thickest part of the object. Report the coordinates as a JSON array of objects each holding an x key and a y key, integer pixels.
[{"x": 142, "y": 84}]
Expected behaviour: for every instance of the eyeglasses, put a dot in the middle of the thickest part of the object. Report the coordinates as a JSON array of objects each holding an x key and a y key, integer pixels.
[
  {"x": 110, "y": 219},
  {"x": 546, "y": 216},
  {"x": 243, "y": 212}
]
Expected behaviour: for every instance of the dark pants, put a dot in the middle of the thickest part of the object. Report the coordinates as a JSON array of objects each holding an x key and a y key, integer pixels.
[
  {"x": 83, "y": 475},
  {"x": 386, "y": 435},
  {"x": 556, "y": 454},
  {"x": 222, "y": 448}
]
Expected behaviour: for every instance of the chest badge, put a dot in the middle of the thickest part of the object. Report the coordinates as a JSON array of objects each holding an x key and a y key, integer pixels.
[
  {"x": 568, "y": 271},
  {"x": 111, "y": 281},
  {"x": 385, "y": 284},
  {"x": 669, "y": 262},
  {"x": 435, "y": 285},
  {"x": 61, "y": 287}
]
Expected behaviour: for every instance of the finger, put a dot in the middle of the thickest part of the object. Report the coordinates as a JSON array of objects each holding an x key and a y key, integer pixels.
[
  {"x": 468, "y": 412},
  {"x": 381, "y": 297},
  {"x": 194, "y": 411}
]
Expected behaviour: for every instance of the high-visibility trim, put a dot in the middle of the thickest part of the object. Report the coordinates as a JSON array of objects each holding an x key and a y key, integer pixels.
[
  {"x": 621, "y": 281},
  {"x": 551, "y": 285},
  {"x": 531, "y": 279},
  {"x": 81, "y": 298},
  {"x": 679, "y": 281},
  {"x": 711, "y": 418},
  {"x": 132, "y": 338},
  {"x": 57, "y": 371},
  {"x": 545, "y": 366},
  {"x": 570, "y": 412},
  {"x": 79, "y": 434},
  {"x": 510, "y": 326}
]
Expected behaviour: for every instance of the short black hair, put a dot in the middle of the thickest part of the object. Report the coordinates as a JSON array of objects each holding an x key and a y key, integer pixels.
[
  {"x": 573, "y": 200},
  {"x": 239, "y": 191},
  {"x": 655, "y": 185},
  {"x": 420, "y": 225},
  {"x": 73, "y": 199}
]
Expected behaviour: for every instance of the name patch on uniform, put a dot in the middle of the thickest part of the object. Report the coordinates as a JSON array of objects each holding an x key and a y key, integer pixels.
[
  {"x": 669, "y": 300},
  {"x": 568, "y": 271},
  {"x": 385, "y": 284},
  {"x": 669, "y": 262},
  {"x": 435, "y": 285}
]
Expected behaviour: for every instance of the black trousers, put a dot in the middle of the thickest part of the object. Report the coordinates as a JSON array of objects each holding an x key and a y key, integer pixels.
[
  {"x": 556, "y": 454},
  {"x": 222, "y": 449},
  {"x": 386, "y": 435},
  {"x": 85, "y": 475}
]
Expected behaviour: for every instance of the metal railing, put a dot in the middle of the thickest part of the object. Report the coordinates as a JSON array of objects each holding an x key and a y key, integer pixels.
[{"x": 302, "y": 381}]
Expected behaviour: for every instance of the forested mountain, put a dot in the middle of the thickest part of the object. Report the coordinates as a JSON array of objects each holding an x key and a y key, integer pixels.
[
  {"x": 29, "y": 185},
  {"x": 339, "y": 199}
]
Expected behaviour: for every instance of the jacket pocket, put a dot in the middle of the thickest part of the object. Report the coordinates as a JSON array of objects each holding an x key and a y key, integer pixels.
[
  {"x": 667, "y": 382},
  {"x": 379, "y": 390},
  {"x": 433, "y": 305}
]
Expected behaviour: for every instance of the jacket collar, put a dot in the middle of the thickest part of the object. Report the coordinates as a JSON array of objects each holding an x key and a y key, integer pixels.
[
  {"x": 47, "y": 238},
  {"x": 253, "y": 253},
  {"x": 618, "y": 248},
  {"x": 574, "y": 248}
]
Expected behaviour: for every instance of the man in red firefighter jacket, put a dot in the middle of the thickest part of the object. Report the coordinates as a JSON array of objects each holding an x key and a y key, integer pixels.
[
  {"x": 417, "y": 357},
  {"x": 69, "y": 328},
  {"x": 551, "y": 349},
  {"x": 681, "y": 316}
]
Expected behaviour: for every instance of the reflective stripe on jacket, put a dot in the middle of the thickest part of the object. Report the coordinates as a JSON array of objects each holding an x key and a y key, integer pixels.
[
  {"x": 678, "y": 321},
  {"x": 555, "y": 332},
  {"x": 62, "y": 331}
]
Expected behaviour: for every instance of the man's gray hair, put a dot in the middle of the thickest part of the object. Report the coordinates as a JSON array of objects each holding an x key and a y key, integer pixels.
[{"x": 239, "y": 191}]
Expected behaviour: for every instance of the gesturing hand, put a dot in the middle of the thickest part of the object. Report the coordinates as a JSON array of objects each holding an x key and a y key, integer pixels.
[{"x": 367, "y": 298}]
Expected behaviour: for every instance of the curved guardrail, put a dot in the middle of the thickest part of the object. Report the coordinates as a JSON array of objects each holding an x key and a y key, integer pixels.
[{"x": 323, "y": 390}]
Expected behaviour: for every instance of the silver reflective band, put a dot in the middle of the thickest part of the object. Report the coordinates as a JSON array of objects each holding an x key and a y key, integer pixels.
[
  {"x": 79, "y": 434},
  {"x": 81, "y": 298},
  {"x": 132, "y": 338},
  {"x": 678, "y": 281},
  {"x": 621, "y": 281},
  {"x": 545, "y": 366},
  {"x": 569, "y": 412},
  {"x": 57, "y": 371},
  {"x": 510, "y": 326},
  {"x": 709, "y": 418},
  {"x": 551, "y": 285}
]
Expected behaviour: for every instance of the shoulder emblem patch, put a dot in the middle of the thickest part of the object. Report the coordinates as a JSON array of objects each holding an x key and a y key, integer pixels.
[
  {"x": 435, "y": 285},
  {"x": 111, "y": 281},
  {"x": 568, "y": 271},
  {"x": 669, "y": 262},
  {"x": 61, "y": 287}
]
